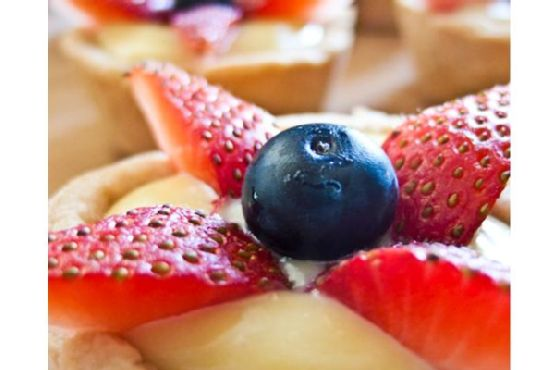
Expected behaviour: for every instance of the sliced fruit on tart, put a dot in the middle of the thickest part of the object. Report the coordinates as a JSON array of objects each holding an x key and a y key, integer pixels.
[
  {"x": 452, "y": 162},
  {"x": 448, "y": 304},
  {"x": 446, "y": 5},
  {"x": 152, "y": 263},
  {"x": 301, "y": 10},
  {"x": 204, "y": 129},
  {"x": 108, "y": 11}
]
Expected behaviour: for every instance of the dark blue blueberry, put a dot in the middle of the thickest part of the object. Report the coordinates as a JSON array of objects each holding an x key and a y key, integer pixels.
[
  {"x": 319, "y": 192},
  {"x": 184, "y": 4}
]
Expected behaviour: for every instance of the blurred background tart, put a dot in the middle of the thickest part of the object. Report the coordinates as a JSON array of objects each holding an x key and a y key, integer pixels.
[
  {"x": 381, "y": 75},
  {"x": 258, "y": 54},
  {"x": 85, "y": 104},
  {"x": 458, "y": 46}
]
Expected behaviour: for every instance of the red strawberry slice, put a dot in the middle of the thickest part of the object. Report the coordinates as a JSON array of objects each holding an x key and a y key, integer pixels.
[
  {"x": 204, "y": 129},
  {"x": 452, "y": 162},
  {"x": 442, "y": 6},
  {"x": 446, "y": 6},
  {"x": 207, "y": 28},
  {"x": 447, "y": 304},
  {"x": 152, "y": 263},
  {"x": 302, "y": 10},
  {"x": 109, "y": 11}
]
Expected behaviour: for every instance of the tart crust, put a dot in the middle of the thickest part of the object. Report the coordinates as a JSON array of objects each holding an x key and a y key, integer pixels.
[
  {"x": 280, "y": 82},
  {"x": 376, "y": 14},
  {"x": 92, "y": 351},
  {"x": 452, "y": 58},
  {"x": 87, "y": 198}
]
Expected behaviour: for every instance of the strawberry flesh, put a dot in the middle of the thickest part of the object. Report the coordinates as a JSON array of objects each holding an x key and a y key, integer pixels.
[
  {"x": 447, "y": 6},
  {"x": 452, "y": 163},
  {"x": 205, "y": 130},
  {"x": 447, "y": 304},
  {"x": 301, "y": 10},
  {"x": 207, "y": 28},
  {"x": 110, "y": 11},
  {"x": 152, "y": 263}
]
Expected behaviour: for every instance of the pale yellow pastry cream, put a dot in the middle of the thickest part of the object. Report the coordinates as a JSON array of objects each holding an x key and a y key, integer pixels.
[
  {"x": 254, "y": 41},
  {"x": 276, "y": 331}
]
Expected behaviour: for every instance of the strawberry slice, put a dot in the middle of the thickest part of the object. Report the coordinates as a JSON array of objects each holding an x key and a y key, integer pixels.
[
  {"x": 204, "y": 129},
  {"x": 301, "y": 10},
  {"x": 447, "y": 304},
  {"x": 446, "y": 6},
  {"x": 152, "y": 263},
  {"x": 109, "y": 11},
  {"x": 452, "y": 162},
  {"x": 207, "y": 28}
]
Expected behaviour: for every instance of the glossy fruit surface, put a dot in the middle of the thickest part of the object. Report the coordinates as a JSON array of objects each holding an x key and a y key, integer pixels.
[
  {"x": 319, "y": 192},
  {"x": 108, "y": 11},
  {"x": 301, "y": 10},
  {"x": 184, "y": 4},
  {"x": 448, "y": 304},
  {"x": 452, "y": 163},
  {"x": 151, "y": 263},
  {"x": 111, "y": 11},
  {"x": 205, "y": 130},
  {"x": 445, "y": 6}
]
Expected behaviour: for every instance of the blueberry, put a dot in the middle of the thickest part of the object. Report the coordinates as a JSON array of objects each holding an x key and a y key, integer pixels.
[
  {"x": 183, "y": 4},
  {"x": 319, "y": 192}
]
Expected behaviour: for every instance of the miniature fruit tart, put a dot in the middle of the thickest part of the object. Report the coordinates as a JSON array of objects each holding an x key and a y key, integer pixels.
[
  {"x": 257, "y": 54},
  {"x": 458, "y": 46},
  {"x": 340, "y": 255}
]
